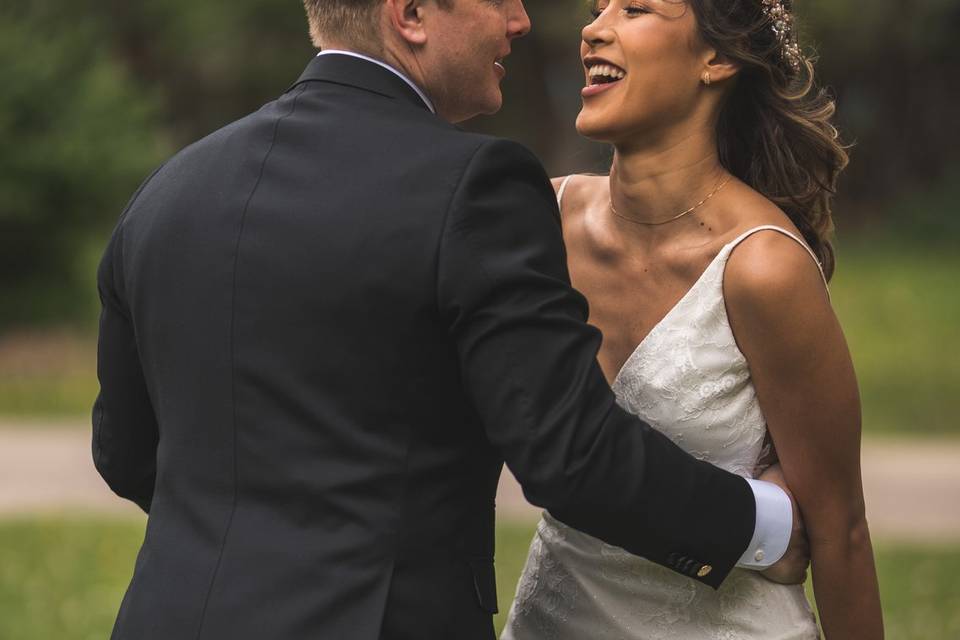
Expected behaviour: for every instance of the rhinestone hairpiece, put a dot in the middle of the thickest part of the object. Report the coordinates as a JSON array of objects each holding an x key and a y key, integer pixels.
[{"x": 782, "y": 25}]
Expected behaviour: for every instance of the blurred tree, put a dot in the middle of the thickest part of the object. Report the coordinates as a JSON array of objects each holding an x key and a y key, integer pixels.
[
  {"x": 76, "y": 138},
  {"x": 92, "y": 87},
  {"x": 212, "y": 61},
  {"x": 892, "y": 65}
]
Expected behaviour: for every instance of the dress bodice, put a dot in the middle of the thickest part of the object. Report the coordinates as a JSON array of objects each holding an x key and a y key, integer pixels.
[{"x": 688, "y": 379}]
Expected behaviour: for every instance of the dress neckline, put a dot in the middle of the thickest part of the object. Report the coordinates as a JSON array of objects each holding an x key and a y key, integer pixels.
[
  {"x": 668, "y": 314},
  {"x": 725, "y": 249},
  {"x": 723, "y": 253}
]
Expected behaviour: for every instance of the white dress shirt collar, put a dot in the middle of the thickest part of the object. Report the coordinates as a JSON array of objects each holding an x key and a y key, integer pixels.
[{"x": 419, "y": 91}]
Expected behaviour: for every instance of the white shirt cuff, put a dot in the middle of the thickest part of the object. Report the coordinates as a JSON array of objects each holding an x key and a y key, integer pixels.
[{"x": 771, "y": 534}]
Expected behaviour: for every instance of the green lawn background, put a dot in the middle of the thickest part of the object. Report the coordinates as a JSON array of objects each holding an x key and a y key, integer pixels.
[{"x": 63, "y": 579}]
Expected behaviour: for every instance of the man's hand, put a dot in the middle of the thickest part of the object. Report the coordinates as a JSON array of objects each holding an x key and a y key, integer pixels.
[{"x": 792, "y": 567}]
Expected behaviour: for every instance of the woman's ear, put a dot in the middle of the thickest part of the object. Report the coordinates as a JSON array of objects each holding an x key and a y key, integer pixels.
[
  {"x": 718, "y": 67},
  {"x": 405, "y": 17}
]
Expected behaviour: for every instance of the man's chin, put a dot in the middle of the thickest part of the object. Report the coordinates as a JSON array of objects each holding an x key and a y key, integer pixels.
[
  {"x": 495, "y": 104},
  {"x": 488, "y": 107}
]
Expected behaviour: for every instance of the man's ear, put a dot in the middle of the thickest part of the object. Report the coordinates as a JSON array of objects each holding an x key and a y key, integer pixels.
[
  {"x": 405, "y": 17},
  {"x": 719, "y": 66}
]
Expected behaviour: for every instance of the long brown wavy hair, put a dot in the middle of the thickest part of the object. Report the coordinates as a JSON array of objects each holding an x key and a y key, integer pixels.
[{"x": 775, "y": 130}]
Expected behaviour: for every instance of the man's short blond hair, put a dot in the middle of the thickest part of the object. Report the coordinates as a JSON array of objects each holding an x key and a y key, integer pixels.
[{"x": 355, "y": 22}]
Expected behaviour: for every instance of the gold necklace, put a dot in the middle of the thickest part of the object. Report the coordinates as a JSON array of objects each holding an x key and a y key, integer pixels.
[{"x": 722, "y": 184}]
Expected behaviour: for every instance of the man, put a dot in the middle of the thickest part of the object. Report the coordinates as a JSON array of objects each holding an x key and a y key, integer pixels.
[{"x": 327, "y": 325}]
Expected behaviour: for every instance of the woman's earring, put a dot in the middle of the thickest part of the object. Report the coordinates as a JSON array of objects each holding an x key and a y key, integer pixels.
[{"x": 706, "y": 78}]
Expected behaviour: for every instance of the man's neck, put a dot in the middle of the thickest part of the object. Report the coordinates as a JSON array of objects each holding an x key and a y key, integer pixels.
[
  {"x": 406, "y": 65},
  {"x": 389, "y": 62}
]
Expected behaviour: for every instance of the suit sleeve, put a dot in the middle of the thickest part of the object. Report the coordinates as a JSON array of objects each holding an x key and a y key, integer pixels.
[
  {"x": 528, "y": 361},
  {"x": 125, "y": 433}
]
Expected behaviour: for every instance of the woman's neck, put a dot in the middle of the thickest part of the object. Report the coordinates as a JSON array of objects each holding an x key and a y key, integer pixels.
[{"x": 650, "y": 184}]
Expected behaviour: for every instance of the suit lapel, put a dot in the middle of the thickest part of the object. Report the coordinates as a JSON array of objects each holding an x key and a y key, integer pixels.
[{"x": 359, "y": 73}]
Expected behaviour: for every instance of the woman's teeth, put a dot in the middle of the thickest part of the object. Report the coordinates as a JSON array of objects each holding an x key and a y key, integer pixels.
[{"x": 604, "y": 73}]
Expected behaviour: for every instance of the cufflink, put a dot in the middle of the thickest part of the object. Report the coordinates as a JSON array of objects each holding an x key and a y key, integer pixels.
[
  {"x": 759, "y": 556},
  {"x": 704, "y": 571}
]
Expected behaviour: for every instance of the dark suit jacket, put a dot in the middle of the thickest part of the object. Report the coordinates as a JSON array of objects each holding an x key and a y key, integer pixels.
[{"x": 324, "y": 329}]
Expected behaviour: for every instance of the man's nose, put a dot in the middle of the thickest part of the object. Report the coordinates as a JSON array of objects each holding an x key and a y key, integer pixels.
[{"x": 518, "y": 24}]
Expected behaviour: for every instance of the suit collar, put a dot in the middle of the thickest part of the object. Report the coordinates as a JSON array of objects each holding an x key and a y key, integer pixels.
[{"x": 353, "y": 71}]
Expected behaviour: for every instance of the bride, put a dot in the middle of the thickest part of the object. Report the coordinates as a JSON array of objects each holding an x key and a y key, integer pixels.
[{"x": 704, "y": 256}]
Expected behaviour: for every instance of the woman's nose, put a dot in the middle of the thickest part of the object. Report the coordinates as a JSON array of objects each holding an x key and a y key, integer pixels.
[{"x": 593, "y": 32}]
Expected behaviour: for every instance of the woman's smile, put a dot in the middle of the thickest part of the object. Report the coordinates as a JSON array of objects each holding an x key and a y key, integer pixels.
[{"x": 601, "y": 75}]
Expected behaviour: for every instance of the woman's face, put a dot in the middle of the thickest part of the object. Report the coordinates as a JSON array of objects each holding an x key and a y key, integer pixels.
[{"x": 643, "y": 62}]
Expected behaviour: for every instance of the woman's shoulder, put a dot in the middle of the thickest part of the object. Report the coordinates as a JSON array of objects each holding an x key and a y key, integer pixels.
[
  {"x": 773, "y": 260},
  {"x": 774, "y": 291},
  {"x": 770, "y": 259},
  {"x": 575, "y": 190}
]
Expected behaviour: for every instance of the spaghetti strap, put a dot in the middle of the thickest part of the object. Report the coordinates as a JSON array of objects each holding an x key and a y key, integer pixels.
[
  {"x": 563, "y": 187},
  {"x": 769, "y": 227}
]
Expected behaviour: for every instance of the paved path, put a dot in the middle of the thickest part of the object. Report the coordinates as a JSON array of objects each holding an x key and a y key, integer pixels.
[{"x": 912, "y": 487}]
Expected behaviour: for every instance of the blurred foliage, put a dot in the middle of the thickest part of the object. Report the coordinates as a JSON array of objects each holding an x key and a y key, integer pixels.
[
  {"x": 891, "y": 64},
  {"x": 97, "y": 92},
  {"x": 77, "y": 136},
  {"x": 212, "y": 62},
  {"x": 65, "y": 578}
]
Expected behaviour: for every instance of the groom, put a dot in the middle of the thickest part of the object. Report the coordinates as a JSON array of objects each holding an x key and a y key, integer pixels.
[{"x": 326, "y": 326}]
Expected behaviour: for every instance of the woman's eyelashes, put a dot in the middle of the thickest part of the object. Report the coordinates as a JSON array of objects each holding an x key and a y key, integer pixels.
[
  {"x": 635, "y": 9},
  {"x": 632, "y": 9}
]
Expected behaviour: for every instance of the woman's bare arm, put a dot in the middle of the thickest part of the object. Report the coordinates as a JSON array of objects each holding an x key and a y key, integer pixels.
[{"x": 781, "y": 316}]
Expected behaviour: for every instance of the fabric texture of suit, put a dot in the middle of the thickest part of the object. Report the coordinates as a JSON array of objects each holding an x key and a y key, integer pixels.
[{"x": 324, "y": 329}]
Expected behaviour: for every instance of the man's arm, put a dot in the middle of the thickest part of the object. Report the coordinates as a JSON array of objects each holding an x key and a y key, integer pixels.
[
  {"x": 529, "y": 363},
  {"x": 125, "y": 433}
]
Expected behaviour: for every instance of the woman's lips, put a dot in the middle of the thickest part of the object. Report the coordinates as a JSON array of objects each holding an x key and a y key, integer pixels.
[{"x": 594, "y": 89}]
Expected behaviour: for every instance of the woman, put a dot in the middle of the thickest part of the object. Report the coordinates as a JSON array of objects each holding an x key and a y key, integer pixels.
[{"x": 699, "y": 257}]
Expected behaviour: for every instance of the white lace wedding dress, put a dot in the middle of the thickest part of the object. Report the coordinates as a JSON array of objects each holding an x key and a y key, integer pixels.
[{"x": 689, "y": 379}]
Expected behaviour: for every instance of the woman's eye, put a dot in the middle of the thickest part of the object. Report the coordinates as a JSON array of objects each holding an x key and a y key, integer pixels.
[
  {"x": 631, "y": 10},
  {"x": 597, "y": 7}
]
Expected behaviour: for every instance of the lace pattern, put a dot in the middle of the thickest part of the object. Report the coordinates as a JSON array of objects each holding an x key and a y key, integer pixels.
[{"x": 689, "y": 379}]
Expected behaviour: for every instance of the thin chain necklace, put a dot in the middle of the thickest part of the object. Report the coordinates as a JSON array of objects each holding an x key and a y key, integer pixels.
[{"x": 722, "y": 184}]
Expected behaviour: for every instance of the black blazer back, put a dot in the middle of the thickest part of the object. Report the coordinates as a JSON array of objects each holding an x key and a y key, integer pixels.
[{"x": 318, "y": 461}]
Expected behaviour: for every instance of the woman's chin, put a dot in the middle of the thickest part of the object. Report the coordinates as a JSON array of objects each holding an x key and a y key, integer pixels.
[{"x": 594, "y": 128}]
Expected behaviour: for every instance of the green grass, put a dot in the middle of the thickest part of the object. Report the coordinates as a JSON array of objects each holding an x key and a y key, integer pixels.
[
  {"x": 899, "y": 309},
  {"x": 62, "y": 395},
  {"x": 46, "y": 374},
  {"x": 895, "y": 302},
  {"x": 64, "y": 579}
]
